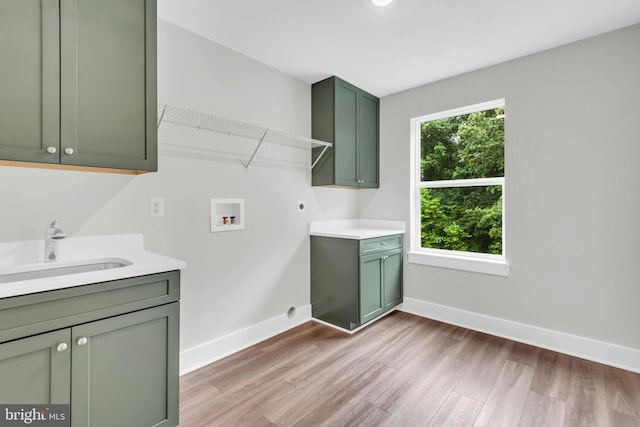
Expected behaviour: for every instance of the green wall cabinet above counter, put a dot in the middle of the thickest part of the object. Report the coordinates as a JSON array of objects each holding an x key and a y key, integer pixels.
[
  {"x": 78, "y": 84},
  {"x": 347, "y": 117}
]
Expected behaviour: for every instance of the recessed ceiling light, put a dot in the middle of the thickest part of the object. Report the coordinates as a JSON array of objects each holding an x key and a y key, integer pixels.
[{"x": 381, "y": 2}]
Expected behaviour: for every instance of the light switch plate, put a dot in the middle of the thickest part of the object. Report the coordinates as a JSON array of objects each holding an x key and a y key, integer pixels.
[{"x": 157, "y": 206}]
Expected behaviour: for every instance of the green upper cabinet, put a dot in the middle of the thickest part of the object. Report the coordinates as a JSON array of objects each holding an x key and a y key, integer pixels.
[
  {"x": 81, "y": 83},
  {"x": 347, "y": 117},
  {"x": 30, "y": 80},
  {"x": 108, "y": 85}
]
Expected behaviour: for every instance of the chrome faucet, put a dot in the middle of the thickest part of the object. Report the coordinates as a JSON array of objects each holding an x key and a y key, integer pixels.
[{"x": 51, "y": 237}]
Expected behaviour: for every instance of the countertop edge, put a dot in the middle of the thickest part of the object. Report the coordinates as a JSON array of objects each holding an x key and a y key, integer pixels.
[
  {"x": 358, "y": 236},
  {"x": 357, "y": 229},
  {"x": 27, "y": 287},
  {"x": 19, "y": 256}
]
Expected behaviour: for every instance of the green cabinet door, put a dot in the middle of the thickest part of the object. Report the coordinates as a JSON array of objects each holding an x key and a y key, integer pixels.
[
  {"x": 29, "y": 81},
  {"x": 36, "y": 370},
  {"x": 125, "y": 370},
  {"x": 108, "y": 83},
  {"x": 347, "y": 117},
  {"x": 392, "y": 278},
  {"x": 368, "y": 140},
  {"x": 380, "y": 283},
  {"x": 371, "y": 286},
  {"x": 346, "y": 136}
]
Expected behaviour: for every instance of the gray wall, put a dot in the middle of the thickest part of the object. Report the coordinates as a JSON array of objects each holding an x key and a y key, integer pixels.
[
  {"x": 572, "y": 203},
  {"x": 233, "y": 279},
  {"x": 572, "y": 199}
]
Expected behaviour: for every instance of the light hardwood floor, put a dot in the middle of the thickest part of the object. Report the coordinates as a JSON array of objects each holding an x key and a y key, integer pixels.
[{"x": 405, "y": 371}]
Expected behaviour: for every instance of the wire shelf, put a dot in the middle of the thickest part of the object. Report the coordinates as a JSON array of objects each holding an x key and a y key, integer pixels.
[{"x": 225, "y": 128}]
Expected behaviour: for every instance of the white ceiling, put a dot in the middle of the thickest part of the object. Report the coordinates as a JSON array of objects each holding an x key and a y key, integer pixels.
[{"x": 388, "y": 49}]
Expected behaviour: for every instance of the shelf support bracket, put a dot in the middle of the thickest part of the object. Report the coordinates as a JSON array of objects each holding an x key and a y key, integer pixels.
[
  {"x": 256, "y": 149},
  {"x": 164, "y": 108},
  {"x": 319, "y": 157}
]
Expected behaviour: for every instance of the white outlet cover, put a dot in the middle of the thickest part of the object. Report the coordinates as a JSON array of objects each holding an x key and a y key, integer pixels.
[{"x": 157, "y": 206}]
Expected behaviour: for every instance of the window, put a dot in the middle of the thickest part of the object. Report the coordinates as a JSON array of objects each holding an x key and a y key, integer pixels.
[{"x": 458, "y": 189}]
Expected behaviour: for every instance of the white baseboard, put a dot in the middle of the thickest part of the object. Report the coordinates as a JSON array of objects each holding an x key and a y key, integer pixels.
[
  {"x": 209, "y": 352},
  {"x": 359, "y": 328},
  {"x": 586, "y": 348}
]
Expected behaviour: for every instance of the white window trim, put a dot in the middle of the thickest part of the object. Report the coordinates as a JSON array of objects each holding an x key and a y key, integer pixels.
[{"x": 466, "y": 261}]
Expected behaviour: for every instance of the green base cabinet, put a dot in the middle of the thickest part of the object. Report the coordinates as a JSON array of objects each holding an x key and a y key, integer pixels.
[
  {"x": 118, "y": 367},
  {"x": 78, "y": 83},
  {"x": 347, "y": 117},
  {"x": 355, "y": 281}
]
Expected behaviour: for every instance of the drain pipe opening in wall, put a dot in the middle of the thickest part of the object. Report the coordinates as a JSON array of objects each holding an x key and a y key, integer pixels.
[{"x": 291, "y": 312}]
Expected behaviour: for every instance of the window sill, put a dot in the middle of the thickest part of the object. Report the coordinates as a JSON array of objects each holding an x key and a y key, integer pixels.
[{"x": 458, "y": 262}]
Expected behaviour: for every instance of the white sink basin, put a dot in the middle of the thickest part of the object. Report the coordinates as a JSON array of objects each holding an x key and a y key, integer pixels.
[{"x": 43, "y": 271}]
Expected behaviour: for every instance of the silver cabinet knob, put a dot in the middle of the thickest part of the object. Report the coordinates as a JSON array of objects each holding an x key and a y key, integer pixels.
[
  {"x": 68, "y": 151},
  {"x": 52, "y": 150},
  {"x": 62, "y": 346},
  {"x": 82, "y": 341}
]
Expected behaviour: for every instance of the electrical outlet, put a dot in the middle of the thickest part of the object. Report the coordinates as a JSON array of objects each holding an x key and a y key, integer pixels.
[{"x": 157, "y": 206}]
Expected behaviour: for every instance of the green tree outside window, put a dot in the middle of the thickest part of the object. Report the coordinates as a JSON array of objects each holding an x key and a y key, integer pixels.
[{"x": 461, "y": 217}]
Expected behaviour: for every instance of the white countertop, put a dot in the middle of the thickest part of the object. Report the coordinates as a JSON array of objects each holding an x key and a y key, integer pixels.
[
  {"x": 16, "y": 257},
  {"x": 356, "y": 228}
]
